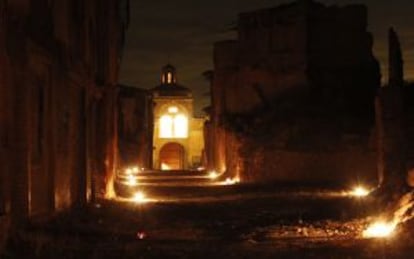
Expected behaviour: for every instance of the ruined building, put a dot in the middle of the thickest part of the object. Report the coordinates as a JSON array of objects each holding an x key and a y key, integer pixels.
[
  {"x": 135, "y": 127},
  {"x": 293, "y": 96},
  {"x": 395, "y": 112},
  {"x": 59, "y": 65},
  {"x": 178, "y": 139}
]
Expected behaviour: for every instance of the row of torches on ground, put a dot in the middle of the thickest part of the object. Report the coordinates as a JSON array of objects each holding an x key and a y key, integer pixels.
[{"x": 378, "y": 229}]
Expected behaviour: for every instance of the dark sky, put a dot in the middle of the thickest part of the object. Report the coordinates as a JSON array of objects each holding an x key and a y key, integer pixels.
[{"x": 182, "y": 32}]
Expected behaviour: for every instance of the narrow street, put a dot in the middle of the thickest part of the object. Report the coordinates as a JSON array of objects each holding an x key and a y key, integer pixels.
[{"x": 191, "y": 217}]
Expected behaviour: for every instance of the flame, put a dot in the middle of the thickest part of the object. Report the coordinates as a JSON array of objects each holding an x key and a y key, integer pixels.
[
  {"x": 139, "y": 197},
  {"x": 213, "y": 175},
  {"x": 379, "y": 229},
  {"x": 359, "y": 191},
  {"x": 231, "y": 181},
  {"x": 402, "y": 213}
]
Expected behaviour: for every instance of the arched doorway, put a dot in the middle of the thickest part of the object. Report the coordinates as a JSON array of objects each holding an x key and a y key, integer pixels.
[{"x": 172, "y": 157}]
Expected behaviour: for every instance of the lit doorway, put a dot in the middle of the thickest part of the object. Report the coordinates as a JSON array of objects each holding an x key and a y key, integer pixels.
[{"x": 172, "y": 157}]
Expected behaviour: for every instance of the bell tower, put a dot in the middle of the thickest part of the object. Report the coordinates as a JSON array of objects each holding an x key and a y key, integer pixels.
[
  {"x": 178, "y": 138},
  {"x": 168, "y": 75}
]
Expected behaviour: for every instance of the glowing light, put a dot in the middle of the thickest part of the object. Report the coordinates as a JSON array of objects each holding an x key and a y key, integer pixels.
[
  {"x": 402, "y": 213},
  {"x": 131, "y": 180},
  {"x": 172, "y": 109},
  {"x": 213, "y": 175},
  {"x": 128, "y": 171},
  {"x": 135, "y": 169},
  {"x": 141, "y": 235},
  {"x": 180, "y": 126},
  {"x": 166, "y": 129},
  {"x": 165, "y": 166},
  {"x": 359, "y": 191},
  {"x": 173, "y": 126},
  {"x": 109, "y": 188},
  {"x": 139, "y": 197},
  {"x": 231, "y": 181},
  {"x": 379, "y": 229},
  {"x": 169, "y": 77}
]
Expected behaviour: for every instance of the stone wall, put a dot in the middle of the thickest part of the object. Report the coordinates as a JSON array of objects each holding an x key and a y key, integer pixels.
[
  {"x": 342, "y": 168},
  {"x": 135, "y": 127},
  {"x": 58, "y": 78},
  {"x": 409, "y": 119},
  {"x": 298, "y": 83}
]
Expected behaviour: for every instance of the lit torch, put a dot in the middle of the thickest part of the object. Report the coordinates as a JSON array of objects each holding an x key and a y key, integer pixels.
[
  {"x": 379, "y": 229},
  {"x": 359, "y": 191},
  {"x": 139, "y": 197},
  {"x": 231, "y": 181},
  {"x": 383, "y": 229},
  {"x": 213, "y": 175}
]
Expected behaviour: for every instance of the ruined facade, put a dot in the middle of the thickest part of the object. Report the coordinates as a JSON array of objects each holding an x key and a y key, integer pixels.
[
  {"x": 59, "y": 65},
  {"x": 178, "y": 137},
  {"x": 409, "y": 130},
  {"x": 293, "y": 96},
  {"x": 392, "y": 147},
  {"x": 135, "y": 126},
  {"x": 395, "y": 113}
]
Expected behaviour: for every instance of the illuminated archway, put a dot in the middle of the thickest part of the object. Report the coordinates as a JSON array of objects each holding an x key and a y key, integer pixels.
[{"x": 172, "y": 157}]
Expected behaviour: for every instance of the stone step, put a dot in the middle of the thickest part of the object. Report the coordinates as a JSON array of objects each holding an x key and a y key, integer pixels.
[{"x": 164, "y": 178}]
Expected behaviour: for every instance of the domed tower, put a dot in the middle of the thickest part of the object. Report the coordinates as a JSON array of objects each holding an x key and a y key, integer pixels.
[
  {"x": 177, "y": 136},
  {"x": 168, "y": 75}
]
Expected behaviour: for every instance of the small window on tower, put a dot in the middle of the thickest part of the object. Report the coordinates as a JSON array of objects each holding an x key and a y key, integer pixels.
[{"x": 169, "y": 78}]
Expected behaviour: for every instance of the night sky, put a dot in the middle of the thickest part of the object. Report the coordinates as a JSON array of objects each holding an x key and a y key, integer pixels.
[{"x": 182, "y": 32}]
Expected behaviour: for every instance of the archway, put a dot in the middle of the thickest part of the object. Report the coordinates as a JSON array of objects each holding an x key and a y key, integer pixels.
[{"x": 172, "y": 157}]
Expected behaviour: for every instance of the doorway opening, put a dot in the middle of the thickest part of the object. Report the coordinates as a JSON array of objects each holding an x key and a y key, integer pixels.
[{"x": 172, "y": 157}]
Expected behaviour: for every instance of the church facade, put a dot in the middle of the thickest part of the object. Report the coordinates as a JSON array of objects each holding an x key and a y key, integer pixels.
[{"x": 178, "y": 140}]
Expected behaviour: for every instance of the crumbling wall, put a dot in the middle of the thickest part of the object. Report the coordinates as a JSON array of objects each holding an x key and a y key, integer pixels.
[
  {"x": 341, "y": 168},
  {"x": 409, "y": 124},
  {"x": 135, "y": 127},
  {"x": 298, "y": 84}
]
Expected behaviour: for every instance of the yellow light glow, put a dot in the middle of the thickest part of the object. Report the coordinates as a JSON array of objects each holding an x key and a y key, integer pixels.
[
  {"x": 128, "y": 171},
  {"x": 231, "y": 181},
  {"x": 359, "y": 191},
  {"x": 131, "y": 180},
  {"x": 180, "y": 126},
  {"x": 172, "y": 109},
  {"x": 135, "y": 169},
  {"x": 169, "y": 77},
  {"x": 166, "y": 127},
  {"x": 379, "y": 229},
  {"x": 174, "y": 125},
  {"x": 139, "y": 197},
  {"x": 164, "y": 166},
  {"x": 213, "y": 175}
]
